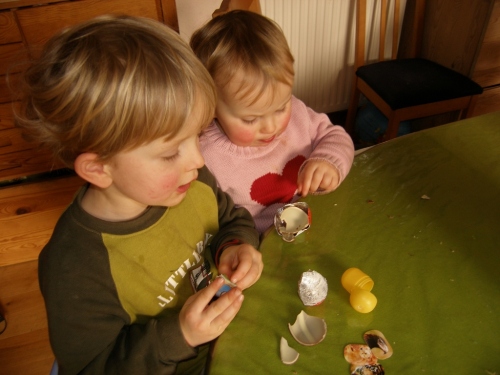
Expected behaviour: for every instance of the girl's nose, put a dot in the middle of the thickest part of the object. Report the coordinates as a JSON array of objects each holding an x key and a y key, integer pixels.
[{"x": 268, "y": 126}]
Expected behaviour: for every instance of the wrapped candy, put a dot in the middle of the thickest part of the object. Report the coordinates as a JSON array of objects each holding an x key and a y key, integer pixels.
[{"x": 313, "y": 288}]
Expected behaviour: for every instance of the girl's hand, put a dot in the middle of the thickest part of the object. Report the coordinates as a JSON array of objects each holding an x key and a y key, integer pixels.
[{"x": 317, "y": 175}]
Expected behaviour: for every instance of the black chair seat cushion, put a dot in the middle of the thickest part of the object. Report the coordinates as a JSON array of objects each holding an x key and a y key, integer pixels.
[{"x": 408, "y": 82}]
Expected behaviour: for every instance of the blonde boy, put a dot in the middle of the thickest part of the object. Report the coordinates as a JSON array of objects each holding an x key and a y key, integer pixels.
[
  {"x": 265, "y": 147},
  {"x": 122, "y": 100}
]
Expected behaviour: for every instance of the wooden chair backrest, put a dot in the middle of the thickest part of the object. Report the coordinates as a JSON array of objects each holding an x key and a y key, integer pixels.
[{"x": 384, "y": 8}]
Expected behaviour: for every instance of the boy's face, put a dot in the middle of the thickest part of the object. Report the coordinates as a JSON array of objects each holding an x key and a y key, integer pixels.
[
  {"x": 254, "y": 124},
  {"x": 158, "y": 173}
]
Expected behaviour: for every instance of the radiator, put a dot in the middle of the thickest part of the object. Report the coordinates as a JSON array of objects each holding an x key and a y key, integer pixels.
[{"x": 321, "y": 37}]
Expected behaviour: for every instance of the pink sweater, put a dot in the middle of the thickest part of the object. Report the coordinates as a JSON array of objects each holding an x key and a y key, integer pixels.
[{"x": 262, "y": 179}]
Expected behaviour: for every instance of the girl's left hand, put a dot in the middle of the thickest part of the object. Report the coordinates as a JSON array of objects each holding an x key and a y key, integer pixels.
[{"x": 317, "y": 175}]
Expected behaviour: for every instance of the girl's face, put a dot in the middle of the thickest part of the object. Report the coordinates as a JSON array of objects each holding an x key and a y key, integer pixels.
[{"x": 253, "y": 124}]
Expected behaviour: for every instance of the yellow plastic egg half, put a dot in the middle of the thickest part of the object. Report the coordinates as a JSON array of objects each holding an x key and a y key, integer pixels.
[{"x": 362, "y": 300}]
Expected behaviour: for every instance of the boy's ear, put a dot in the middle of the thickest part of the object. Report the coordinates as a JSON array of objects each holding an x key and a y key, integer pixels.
[{"x": 91, "y": 169}]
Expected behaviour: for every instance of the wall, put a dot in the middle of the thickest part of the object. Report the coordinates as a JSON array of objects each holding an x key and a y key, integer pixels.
[{"x": 321, "y": 36}]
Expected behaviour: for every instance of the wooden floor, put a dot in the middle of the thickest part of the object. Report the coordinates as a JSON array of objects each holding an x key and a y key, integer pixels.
[
  {"x": 28, "y": 213},
  {"x": 24, "y": 346}
]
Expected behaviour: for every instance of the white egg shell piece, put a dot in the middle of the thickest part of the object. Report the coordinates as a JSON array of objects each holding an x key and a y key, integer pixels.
[
  {"x": 313, "y": 288},
  {"x": 308, "y": 330},
  {"x": 295, "y": 219},
  {"x": 288, "y": 355}
]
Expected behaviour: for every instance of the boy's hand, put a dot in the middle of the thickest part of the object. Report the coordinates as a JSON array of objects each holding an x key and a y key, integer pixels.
[
  {"x": 202, "y": 321},
  {"x": 242, "y": 264},
  {"x": 317, "y": 175}
]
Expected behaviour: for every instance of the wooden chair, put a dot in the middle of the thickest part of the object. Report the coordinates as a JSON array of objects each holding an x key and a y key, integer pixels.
[{"x": 409, "y": 88}]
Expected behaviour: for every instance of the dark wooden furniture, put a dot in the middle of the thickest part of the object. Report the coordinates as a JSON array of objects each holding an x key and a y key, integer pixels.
[
  {"x": 403, "y": 89},
  {"x": 486, "y": 70},
  {"x": 464, "y": 36}
]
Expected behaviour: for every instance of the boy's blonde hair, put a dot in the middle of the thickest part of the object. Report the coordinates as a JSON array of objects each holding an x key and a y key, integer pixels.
[
  {"x": 243, "y": 41},
  {"x": 112, "y": 84}
]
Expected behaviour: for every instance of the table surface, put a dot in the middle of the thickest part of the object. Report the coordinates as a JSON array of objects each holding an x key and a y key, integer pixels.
[{"x": 435, "y": 262}]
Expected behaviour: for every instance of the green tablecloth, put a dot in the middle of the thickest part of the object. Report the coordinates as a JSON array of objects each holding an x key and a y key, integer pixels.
[{"x": 435, "y": 262}]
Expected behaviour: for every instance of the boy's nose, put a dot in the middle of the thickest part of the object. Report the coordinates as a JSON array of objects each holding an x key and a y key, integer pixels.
[
  {"x": 196, "y": 158},
  {"x": 199, "y": 161}
]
